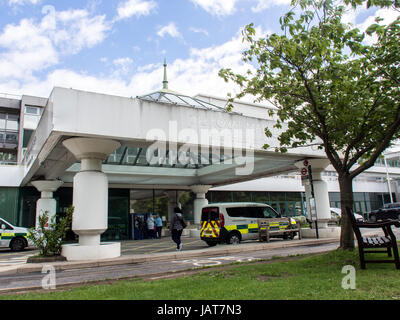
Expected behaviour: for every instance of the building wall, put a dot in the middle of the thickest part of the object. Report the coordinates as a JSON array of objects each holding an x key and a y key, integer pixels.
[{"x": 9, "y": 204}]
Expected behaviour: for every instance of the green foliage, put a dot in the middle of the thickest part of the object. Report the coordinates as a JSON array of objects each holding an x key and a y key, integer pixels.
[
  {"x": 329, "y": 85},
  {"x": 49, "y": 235}
]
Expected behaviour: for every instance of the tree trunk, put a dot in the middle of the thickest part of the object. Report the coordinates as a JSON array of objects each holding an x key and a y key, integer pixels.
[{"x": 346, "y": 200}]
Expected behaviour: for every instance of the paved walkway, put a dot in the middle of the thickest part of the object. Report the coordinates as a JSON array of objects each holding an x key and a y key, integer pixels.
[
  {"x": 150, "y": 250},
  {"x": 156, "y": 250}
]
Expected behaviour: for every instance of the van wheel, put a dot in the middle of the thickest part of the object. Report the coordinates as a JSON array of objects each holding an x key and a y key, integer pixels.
[
  {"x": 211, "y": 243},
  {"x": 17, "y": 244},
  {"x": 233, "y": 238}
]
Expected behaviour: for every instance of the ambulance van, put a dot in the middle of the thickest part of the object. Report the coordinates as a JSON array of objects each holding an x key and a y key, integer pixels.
[
  {"x": 15, "y": 238},
  {"x": 233, "y": 222}
]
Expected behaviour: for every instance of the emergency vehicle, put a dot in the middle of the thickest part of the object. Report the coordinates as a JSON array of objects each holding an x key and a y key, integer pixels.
[
  {"x": 236, "y": 221},
  {"x": 15, "y": 238}
]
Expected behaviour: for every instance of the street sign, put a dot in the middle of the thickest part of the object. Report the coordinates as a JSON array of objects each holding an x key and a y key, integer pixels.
[
  {"x": 304, "y": 171},
  {"x": 305, "y": 163}
]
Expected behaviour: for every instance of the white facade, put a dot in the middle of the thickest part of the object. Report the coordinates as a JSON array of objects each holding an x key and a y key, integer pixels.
[{"x": 236, "y": 139}]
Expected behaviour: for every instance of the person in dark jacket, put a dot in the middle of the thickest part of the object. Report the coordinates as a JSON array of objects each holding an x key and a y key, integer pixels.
[{"x": 177, "y": 225}]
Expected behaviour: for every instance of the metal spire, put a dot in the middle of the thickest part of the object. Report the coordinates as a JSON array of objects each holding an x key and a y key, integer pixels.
[{"x": 165, "y": 81}]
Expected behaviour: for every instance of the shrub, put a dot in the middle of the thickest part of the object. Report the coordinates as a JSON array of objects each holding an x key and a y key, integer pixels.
[{"x": 49, "y": 235}]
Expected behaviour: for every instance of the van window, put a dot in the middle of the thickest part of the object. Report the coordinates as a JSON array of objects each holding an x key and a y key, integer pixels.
[
  {"x": 270, "y": 213},
  {"x": 245, "y": 212},
  {"x": 210, "y": 213},
  {"x": 252, "y": 212}
]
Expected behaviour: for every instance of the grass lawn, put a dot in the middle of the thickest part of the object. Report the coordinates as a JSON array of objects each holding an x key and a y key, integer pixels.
[{"x": 310, "y": 278}]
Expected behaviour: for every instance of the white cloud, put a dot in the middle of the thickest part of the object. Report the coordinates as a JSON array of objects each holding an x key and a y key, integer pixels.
[
  {"x": 196, "y": 74},
  {"x": 199, "y": 30},
  {"x": 77, "y": 30},
  {"x": 136, "y": 8},
  {"x": 22, "y": 2},
  {"x": 27, "y": 50},
  {"x": 265, "y": 4},
  {"x": 169, "y": 29},
  {"x": 217, "y": 7},
  {"x": 34, "y": 46},
  {"x": 351, "y": 16},
  {"x": 123, "y": 66}
]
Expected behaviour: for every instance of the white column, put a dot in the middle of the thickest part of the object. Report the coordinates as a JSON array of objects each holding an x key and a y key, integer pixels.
[
  {"x": 321, "y": 194},
  {"x": 46, "y": 202},
  {"x": 200, "y": 201},
  {"x": 90, "y": 200}
]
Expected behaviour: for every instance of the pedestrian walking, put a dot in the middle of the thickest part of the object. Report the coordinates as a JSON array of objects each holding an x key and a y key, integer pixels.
[
  {"x": 177, "y": 225},
  {"x": 159, "y": 226},
  {"x": 150, "y": 226},
  {"x": 142, "y": 228},
  {"x": 155, "y": 228}
]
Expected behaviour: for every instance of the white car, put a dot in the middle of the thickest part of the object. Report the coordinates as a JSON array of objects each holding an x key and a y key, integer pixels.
[
  {"x": 336, "y": 214},
  {"x": 15, "y": 238}
]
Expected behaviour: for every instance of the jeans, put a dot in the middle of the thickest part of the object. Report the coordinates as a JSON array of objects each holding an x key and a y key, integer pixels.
[
  {"x": 176, "y": 237},
  {"x": 159, "y": 232}
]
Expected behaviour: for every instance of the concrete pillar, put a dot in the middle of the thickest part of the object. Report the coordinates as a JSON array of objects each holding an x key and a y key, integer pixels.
[
  {"x": 90, "y": 199},
  {"x": 46, "y": 202},
  {"x": 200, "y": 201}
]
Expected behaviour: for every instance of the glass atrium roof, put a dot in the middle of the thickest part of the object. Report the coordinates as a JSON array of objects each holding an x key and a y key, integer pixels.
[
  {"x": 170, "y": 97},
  {"x": 135, "y": 156}
]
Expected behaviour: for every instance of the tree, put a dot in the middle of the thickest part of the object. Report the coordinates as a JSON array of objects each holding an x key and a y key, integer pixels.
[{"x": 329, "y": 85}]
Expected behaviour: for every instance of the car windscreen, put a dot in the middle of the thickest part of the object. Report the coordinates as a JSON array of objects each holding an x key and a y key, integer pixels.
[{"x": 210, "y": 214}]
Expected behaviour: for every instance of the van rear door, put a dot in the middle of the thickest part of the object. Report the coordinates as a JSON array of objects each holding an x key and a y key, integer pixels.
[{"x": 210, "y": 223}]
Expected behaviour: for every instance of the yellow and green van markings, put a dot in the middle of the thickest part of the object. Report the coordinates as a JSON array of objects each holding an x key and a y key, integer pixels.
[
  {"x": 253, "y": 227},
  {"x": 9, "y": 235}
]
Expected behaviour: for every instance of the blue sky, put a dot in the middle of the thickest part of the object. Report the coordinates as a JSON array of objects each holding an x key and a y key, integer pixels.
[{"x": 117, "y": 47}]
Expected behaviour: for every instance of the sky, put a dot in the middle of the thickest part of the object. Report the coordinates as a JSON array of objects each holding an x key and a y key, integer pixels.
[{"x": 118, "y": 47}]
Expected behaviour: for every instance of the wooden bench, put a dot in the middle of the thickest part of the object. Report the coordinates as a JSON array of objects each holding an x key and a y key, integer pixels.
[
  {"x": 269, "y": 227},
  {"x": 387, "y": 242}
]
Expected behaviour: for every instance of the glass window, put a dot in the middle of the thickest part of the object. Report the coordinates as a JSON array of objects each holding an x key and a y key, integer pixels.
[
  {"x": 11, "y": 138},
  {"x": 210, "y": 214},
  {"x": 2, "y": 120},
  {"x": 241, "y": 196},
  {"x": 246, "y": 212},
  {"x": 32, "y": 110},
  {"x": 12, "y": 122},
  {"x": 260, "y": 196},
  {"x": 269, "y": 213},
  {"x": 221, "y": 196},
  {"x": 277, "y": 196},
  {"x": 12, "y": 125}
]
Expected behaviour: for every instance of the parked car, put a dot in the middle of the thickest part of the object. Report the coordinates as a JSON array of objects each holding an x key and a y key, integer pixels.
[
  {"x": 389, "y": 211},
  {"x": 15, "y": 238},
  {"x": 336, "y": 215}
]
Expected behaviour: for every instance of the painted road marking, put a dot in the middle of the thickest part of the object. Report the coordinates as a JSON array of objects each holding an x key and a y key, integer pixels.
[{"x": 209, "y": 262}]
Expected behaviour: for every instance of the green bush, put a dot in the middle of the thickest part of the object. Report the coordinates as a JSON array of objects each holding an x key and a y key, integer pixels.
[
  {"x": 49, "y": 235},
  {"x": 301, "y": 220}
]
